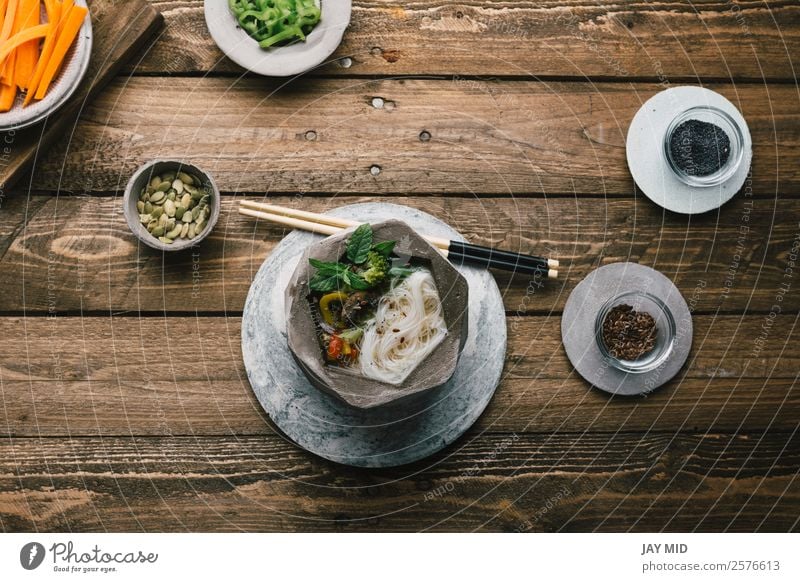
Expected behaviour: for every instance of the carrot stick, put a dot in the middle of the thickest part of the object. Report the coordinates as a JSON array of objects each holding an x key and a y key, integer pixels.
[
  {"x": 7, "y": 96},
  {"x": 72, "y": 23},
  {"x": 6, "y": 32},
  {"x": 27, "y": 53},
  {"x": 53, "y": 16},
  {"x": 21, "y": 37}
]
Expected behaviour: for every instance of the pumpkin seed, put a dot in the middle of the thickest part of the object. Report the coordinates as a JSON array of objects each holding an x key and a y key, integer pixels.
[
  {"x": 184, "y": 229},
  {"x": 200, "y": 224},
  {"x": 180, "y": 212},
  {"x": 189, "y": 188},
  {"x": 140, "y": 207},
  {"x": 156, "y": 197},
  {"x": 165, "y": 240},
  {"x": 185, "y": 178},
  {"x": 158, "y": 231},
  {"x": 164, "y": 186},
  {"x": 169, "y": 176},
  {"x": 169, "y": 208},
  {"x": 163, "y": 219},
  {"x": 175, "y": 232},
  {"x": 177, "y": 185},
  {"x": 197, "y": 195},
  {"x": 145, "y": 218},
  {"x": 156, "y": 181},
  {"x": 186, "y": 200},
  {"x": 196, "y": 212},
  {"x": 157, "y": 211},
  {"x": 190, "y": 232},
  {"x": 187, "y": 217}
]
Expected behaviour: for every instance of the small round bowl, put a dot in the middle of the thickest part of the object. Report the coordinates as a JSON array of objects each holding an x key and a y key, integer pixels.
[
  {"x": 665, "y": 331},
  {"x": 280, "y": 61},
  {"x": 139, "y": 181},
  {"x": 727, "y": 124}
]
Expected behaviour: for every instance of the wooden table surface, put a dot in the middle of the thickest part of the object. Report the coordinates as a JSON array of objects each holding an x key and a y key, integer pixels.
[{"x": 125, "y": 404}]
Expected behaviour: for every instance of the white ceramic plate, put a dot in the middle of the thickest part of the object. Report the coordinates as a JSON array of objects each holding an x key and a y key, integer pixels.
[
  {"x": 63, "y": 86},
  {"x": 281, "y": 61}
]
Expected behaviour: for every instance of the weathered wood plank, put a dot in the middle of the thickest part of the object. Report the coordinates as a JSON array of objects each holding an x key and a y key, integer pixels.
[
  {"x": 318, "y": 135},
  {"x": 494, "y": 483},
  {"x": 526, "y": 37},
  {"x": 78, "y": 254},
  {"x": 97, "y": 376}
]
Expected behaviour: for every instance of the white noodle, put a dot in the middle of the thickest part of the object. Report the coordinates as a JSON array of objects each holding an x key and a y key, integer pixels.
[{"x": 408, "y": 325}]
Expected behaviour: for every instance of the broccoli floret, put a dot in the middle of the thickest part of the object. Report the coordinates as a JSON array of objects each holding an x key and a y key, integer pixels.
[{"x": 376, "y": 268}]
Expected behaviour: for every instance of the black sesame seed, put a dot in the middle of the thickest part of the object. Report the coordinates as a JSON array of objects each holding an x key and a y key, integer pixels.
[{"x": 699, "y": 148}]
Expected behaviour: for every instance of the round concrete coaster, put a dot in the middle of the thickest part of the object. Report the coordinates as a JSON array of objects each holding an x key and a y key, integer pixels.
[
  {"x": 578, "y": 335},
  {"x": 389, "y": 436},
  {"x": 649, "y": 168}
]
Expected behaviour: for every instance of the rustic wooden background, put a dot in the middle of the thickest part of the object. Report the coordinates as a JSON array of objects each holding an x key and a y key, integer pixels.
[{"x": 125, "y": 405}]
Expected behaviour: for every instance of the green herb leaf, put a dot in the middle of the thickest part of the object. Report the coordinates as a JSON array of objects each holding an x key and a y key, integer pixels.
[
  {"x": 324, "y": 282},
  {"x": 400, "y": 272},
  {"x": 384, "y": 248},
  {"x": 355, "y": 281},
  {"x": 324, "y": 267},
  {"x": 359, "y": 244}
]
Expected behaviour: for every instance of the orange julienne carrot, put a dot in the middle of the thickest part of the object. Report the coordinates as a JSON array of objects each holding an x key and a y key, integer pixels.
[
  {"x": 7, "y": 96},
  {"x": 6, "y": 32},
  {"x": 27, "y": 53},
  {"x": 72, "y": 23},
  {"x": 53, "y": 16},
  {"x": 21, "y": 37}
]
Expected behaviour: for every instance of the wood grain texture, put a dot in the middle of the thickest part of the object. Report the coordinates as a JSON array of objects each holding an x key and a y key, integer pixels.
[
  {"x": 57, "y": 263},
  {"x": 65, "y": 376},
  {"x": 655, "y": 39},
  {"x": 489, "y": 483},
  {"x": 487, "y": 137},
  {"x": 120, "y": 30}
]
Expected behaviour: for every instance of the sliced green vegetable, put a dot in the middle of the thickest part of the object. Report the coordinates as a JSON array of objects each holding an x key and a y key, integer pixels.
[{"x": 272, "y": 22}]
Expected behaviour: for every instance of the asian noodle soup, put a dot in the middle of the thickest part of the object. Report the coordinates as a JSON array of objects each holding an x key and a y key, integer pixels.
[
  {"x": 376, "y": 313},
  {"x": 408, "y": 325}
]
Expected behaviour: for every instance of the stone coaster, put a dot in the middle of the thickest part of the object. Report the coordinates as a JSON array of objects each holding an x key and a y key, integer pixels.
[
  {"x": 578, "y": 334},
  {"x": 391, "y": 435},
  {"x": 644, "y": 149}
]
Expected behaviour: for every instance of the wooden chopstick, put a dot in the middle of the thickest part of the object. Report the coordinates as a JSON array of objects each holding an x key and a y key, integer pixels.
[{"x": 328, "y": 225}]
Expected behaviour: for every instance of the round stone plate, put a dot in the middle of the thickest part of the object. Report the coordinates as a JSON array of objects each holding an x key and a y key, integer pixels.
[
  {"x": 391, "y": 435},
  {"x": 282, "y": 61},
  {"x": 76, "y": 63},
  {"x": 650, "y": 171},
  {"x": 577, "y": 327}
]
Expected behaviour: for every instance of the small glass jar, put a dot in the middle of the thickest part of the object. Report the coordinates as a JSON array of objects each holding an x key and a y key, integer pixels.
[
  {"x": 723, "y": 121},
  {"x": 665, "y": 331}
]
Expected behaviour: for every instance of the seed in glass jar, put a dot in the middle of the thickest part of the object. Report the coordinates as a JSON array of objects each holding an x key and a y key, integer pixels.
[
  {"x": 164, "y": 186},
  {"x": 168, "y": 176},
  {"x": 629, "y": 334},
  {"x": 185, "y": 178},
  {"x": 157, "y": 231},
  {"x": 187, "y": 217},
  {"x": 163, "y": 219},
  {"x": 165, "y": 240},
  {"x": 145, "y": 218},
  {"x": 140, "y": 207},
  {"x": 190, "y": 232},
  {"x": 155, "y": 181},
  {"x": 200, "y": 225},
  {"x": 179, "y": 212},
  {"x": 156, "y": 197},
  {"x": 177, "y": 185},
  {"x": 186, "y": 200},
  {"x": 184, "y": 229}
]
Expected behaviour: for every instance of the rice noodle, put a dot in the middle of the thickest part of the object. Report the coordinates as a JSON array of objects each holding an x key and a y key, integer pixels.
[{"x": 408, "y": 325}]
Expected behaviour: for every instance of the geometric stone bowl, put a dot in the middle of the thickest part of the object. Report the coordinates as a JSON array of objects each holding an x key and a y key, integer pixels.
[{"x": 348, "y": 385}]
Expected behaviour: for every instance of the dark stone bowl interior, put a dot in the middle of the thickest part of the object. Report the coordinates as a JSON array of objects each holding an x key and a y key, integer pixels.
[{"x": 348, "y": 385}]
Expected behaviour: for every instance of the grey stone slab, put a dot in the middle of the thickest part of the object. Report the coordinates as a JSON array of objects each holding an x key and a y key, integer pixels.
[{"x": 391, "y": 435}]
